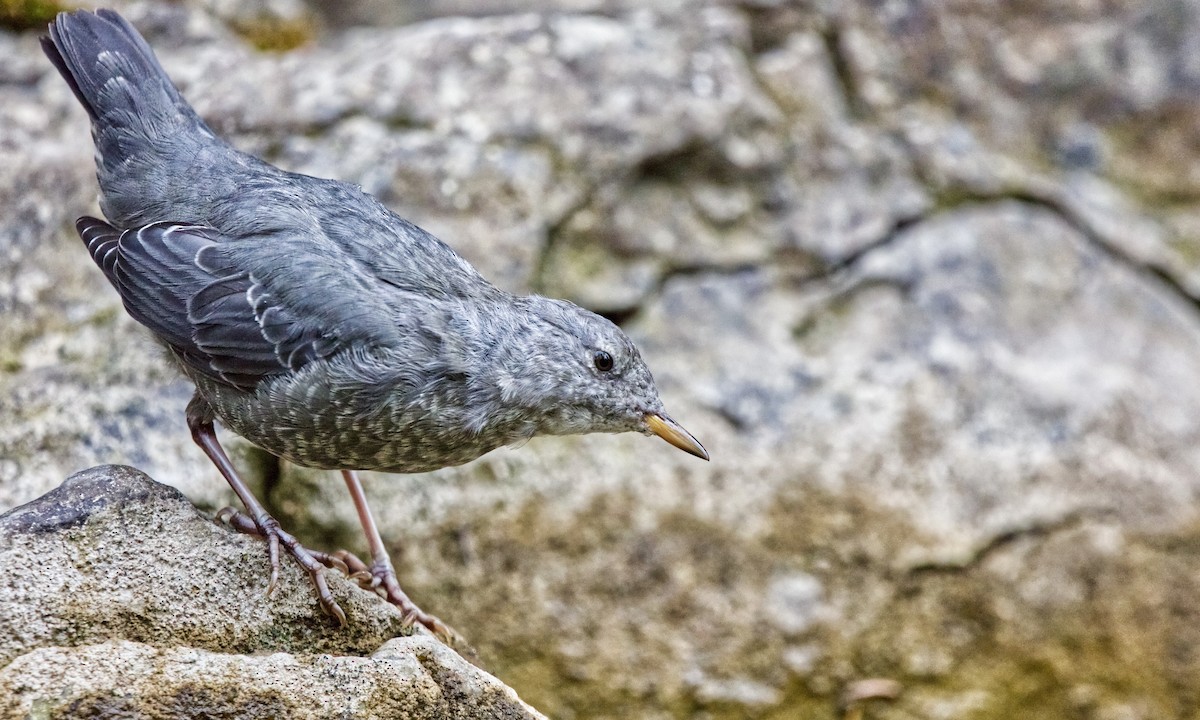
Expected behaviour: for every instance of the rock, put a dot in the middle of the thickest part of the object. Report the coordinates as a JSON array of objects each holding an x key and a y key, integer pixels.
[
  {"x": 110, "y": 554},
  {"x": 414, "y": 677},
  {"x": 122, "y": 598},
  {"x": 923, "y": 277}
]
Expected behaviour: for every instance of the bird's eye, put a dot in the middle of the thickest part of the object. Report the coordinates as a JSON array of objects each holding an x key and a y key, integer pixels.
[{"x": 603, "y": 360}]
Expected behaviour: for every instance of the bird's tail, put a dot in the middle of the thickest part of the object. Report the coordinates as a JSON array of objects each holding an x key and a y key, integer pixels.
[
  {"x": 141, "y": 125},
  {"x": 113, "y": 71}
]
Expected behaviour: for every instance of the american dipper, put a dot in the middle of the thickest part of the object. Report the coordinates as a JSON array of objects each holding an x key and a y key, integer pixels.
[{"x": 316, "y": 323}]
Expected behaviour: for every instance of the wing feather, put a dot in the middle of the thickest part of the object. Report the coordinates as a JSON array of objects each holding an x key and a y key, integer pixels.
[{"x": 179, "y": 282}]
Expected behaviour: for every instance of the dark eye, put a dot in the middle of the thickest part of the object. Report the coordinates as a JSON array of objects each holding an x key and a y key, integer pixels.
[{"x": 603, "y": 361}]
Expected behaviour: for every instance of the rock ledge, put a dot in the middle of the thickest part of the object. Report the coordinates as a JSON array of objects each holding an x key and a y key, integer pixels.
[{"x": 123, "y": 600}]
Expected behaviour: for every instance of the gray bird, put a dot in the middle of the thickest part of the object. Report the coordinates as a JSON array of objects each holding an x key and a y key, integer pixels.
[{"x": 316, "y": 323}]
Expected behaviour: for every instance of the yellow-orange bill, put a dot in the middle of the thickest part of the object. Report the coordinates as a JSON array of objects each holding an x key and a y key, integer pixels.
[{"x": 673, "y": 432}]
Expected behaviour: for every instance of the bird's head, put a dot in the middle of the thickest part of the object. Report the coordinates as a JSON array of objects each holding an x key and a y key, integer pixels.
[{"x": 574, "y": 372}]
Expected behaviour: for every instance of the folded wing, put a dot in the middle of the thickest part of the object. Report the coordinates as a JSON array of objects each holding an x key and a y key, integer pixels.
[{"x": 180, "y": 282}]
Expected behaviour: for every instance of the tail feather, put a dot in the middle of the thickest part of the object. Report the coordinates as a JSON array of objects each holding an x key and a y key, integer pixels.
[
  {"x": 60, "y": 63},
  {"x": 112, "y": 71},
  {"x": 145, "y": 133}
]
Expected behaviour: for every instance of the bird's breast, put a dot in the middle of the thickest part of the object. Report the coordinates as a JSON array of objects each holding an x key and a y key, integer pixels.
[{"x": 316, "y": 422}]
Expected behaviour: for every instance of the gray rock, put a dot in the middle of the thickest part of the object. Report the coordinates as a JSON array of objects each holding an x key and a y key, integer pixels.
[
  {"x": 121, "y": 598},
  {"x": 922, "y": 276},
  {"x": 409, "y": 678}
]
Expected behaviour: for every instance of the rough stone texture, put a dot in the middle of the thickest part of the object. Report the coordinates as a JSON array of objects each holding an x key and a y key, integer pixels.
[
  {"x": 922, "y": 276},
  {"x": 122, "y": 601}
]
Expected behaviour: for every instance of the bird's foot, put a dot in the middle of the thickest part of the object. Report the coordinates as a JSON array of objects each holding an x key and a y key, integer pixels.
[
  {"x": 380, "y": 577},
  {"x": 313, "y": 562}
]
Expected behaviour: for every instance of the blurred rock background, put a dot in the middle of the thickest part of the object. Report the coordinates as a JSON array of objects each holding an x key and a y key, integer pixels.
[{"x": 923, "y": 276}]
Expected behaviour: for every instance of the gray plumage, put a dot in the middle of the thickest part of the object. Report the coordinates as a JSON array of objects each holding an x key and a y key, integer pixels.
[{"x": 315, "y": 322}]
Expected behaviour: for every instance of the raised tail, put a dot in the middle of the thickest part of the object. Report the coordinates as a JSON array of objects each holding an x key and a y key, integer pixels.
[
  {"x": 142, "y": 127},
  {"x": 112, "y": 70}
]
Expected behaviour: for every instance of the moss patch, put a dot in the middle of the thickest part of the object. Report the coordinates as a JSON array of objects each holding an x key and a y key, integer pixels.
[
  {"x": 29, "y": 14},
  {"x": 276, "y": 34}
]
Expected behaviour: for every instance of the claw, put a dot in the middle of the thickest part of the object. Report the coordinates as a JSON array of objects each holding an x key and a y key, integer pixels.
[
  {"x": 313, "y": 562},
  {"x": 328, "y": 604},
  {"x": 238, "y": 520},
  {"x": 333, "y": 562},
  {"x": 356, "y": 569},
  {"x": 226, "y": 516}
]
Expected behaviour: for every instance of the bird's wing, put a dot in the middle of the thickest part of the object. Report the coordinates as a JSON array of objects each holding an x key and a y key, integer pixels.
[{"x": 221, "y": 320}]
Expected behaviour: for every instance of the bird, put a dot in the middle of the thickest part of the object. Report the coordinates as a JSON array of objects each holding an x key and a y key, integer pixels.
[{"x": 316, "y": 323}]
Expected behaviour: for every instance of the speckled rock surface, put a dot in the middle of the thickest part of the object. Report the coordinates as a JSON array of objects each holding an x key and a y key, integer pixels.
[
  {"x": 120, "y": 600},
  {"x": 922, "y": 276},
  {"x": 415, "y": 677}
]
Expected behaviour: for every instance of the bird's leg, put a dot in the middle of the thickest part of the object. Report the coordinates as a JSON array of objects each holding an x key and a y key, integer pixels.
[
  {"x": 200, "y": 423},
  {"x": 382, "y": 576}
]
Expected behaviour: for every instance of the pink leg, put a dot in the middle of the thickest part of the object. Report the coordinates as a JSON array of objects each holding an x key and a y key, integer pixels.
[
  {"x": 381, "y": 575},
  {"x": 206, "y": 437}
]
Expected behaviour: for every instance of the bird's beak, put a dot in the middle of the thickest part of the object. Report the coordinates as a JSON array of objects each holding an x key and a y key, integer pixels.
[{"x": 673, "y": 432}]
